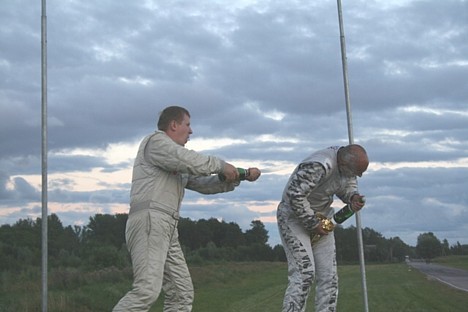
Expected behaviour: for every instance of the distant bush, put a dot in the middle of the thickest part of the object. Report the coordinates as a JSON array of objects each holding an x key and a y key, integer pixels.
[{"x": 101, "y": 244}]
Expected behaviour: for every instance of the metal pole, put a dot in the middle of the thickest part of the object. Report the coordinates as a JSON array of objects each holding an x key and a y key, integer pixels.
[
  {"x": 351, "y": 141},
  {"x": 44, "y": 153}
]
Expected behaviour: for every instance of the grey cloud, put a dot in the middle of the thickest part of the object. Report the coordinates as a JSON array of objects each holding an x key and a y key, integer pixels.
[
  {"x": 113, "y": 66},
  {"x": 16, "y": 189}
]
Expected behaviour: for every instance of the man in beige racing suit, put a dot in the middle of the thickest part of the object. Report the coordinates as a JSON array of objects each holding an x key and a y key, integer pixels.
[
  {"x": 310, "y": 190},
  {"x": 163, "y": 168}
]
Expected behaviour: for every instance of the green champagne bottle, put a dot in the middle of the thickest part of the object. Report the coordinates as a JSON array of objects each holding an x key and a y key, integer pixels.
[
  {"x": 344, "y": 213},
  {"x": 243, "y": 173}
]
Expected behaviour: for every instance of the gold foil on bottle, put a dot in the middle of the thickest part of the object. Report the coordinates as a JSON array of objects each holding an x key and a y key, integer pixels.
[{"x": 327, "y": 225}]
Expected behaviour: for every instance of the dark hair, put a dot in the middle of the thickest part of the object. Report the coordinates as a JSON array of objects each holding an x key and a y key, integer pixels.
[{"x": 169, "y": 114}]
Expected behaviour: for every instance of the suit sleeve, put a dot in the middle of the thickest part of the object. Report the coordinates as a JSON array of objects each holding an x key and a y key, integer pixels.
[
  {"x": 164, "y": 153},
  {"x": 348, "y": 191},
  {"x": 302, "y": 183},
  {"x": 209, "y": 185}
]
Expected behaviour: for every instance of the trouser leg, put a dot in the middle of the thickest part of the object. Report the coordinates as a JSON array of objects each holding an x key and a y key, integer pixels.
[
  {"x": 148, "y": 236},
  {"x": 296, "y": 243},
  {"x": 326, "y": 276},
  {"x": 178, "y": 287}
]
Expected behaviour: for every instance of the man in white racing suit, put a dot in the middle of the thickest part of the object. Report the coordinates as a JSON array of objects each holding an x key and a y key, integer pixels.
[
  {"x": 163, "y": 168},
  {"x": 310, "y": 190}
]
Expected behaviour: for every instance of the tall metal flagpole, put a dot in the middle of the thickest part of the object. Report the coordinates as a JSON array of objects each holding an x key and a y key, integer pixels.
[
  {"x": 351, "y": 141},
  {"x": 44, "y": 154}
]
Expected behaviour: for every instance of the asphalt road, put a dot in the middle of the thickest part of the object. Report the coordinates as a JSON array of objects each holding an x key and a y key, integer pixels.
[{"x": 456, "y": 278}]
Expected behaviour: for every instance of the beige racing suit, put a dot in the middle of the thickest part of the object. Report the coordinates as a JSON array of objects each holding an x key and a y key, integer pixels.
[
  {"x": 161, "y": 172},
  {"x": 310, "y": 190}
]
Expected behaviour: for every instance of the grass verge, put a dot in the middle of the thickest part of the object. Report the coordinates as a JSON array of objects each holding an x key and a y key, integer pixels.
[{"x": 236, "y": 287}]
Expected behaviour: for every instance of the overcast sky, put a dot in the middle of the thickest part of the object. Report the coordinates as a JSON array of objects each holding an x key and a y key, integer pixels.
[{"x": 263, "y": 82}]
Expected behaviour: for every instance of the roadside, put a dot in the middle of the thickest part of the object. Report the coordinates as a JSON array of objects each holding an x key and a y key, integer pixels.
[{"x": 453, "y": 277}]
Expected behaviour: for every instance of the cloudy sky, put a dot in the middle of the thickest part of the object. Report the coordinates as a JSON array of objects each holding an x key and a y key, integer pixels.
[{"x": 263, "y": 82}]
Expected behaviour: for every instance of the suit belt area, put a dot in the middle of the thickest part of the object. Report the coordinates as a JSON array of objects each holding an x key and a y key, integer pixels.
[{"x": 145, "y": 205}]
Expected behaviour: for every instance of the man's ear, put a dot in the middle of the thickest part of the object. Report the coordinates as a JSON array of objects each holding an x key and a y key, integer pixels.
[{"x": 173, "y": 125}]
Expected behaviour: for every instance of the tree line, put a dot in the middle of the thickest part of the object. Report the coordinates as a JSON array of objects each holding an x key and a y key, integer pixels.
[{"x": 101, "y": 243}]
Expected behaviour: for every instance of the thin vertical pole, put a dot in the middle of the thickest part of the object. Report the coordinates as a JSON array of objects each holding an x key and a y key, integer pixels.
[
  {"x": 351, "y": 141},
  {"x": 345, "y": 75},
  {"x": 44, "y": 154}
]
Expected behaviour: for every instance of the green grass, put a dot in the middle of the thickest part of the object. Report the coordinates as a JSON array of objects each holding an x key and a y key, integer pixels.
[
  {"x": 397, "y": 288},
  {"x": 238, "y": 287},
  {"x": 460, "y": 262}
]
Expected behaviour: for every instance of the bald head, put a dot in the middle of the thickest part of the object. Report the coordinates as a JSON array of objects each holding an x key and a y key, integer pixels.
[{"x": 353, "y": 160}]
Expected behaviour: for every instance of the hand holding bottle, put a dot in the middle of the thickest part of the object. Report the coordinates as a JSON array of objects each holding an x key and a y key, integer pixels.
[
  {"x": 230, "y": 173},
  {"x": 357, "y": 202},
  {"x": 324, "y": 227},
  {"x": 250, "y": 175}
]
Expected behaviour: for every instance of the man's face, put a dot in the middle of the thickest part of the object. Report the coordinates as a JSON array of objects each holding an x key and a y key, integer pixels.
[
  {"x": 182, "y": 131},
  {"x": 348, "y": 172},
  {"x": 353, "y": 169}
]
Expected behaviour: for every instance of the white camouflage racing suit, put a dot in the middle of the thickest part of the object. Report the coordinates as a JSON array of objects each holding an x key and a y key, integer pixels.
[
  {"x": 310, "y": 190},
  {"x": 161, "y": 171}
]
